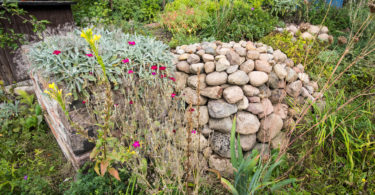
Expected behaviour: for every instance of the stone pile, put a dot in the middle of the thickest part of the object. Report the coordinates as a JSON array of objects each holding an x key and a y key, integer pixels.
[
  {"x": 248, "y": 80},
  {"x": 308, "y": 31}
]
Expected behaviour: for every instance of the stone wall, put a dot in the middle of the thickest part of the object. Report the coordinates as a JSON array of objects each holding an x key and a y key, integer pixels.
[
  {"x": 308, "y": 31},
  {"x": 260, "y": 86}
]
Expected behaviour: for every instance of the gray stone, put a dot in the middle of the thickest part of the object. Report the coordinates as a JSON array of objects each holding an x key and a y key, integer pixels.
[
  {"x": 243, "y": 104},
  {"x": 222, "y": 64},
  {"x": 216, "y": 78},
  {"x": 222, "y": 51},
  {"x": 247, "y": 123},
  {"x": 191, "y": 49},
  {"x": 238, "y": 78},
  {"x": 209, "y": 50},
  {"x": 294, "y": 89},
  {"x": 270, "y": 126},
  {"x": 279, "y": 56},
  {"x": 289, "y": 62},
  {"x": 183, "y": 57},
  {"x": 292, "y": 28},
  {"x": 195, "y": 68},
  {"x": 247, "y": 66},
  {"x": 258, "y": 78},
  {"x": 190, "y": 96},
  {"x": 255, "y": 108},
  {"x": 307, "y": 36},
  {"x": 208, "y": 57},
  {"x": 281, "y": 110},
  {"x": 277, "y": 96},
  {"x": 183, "y": 66},
  {"x": 250, "y": 90},
  {"x": 323, "y": 37},
  {"x": 291, "y": 75},
  {"x": 233, "y": 94},
  {"x": 304, "y": 78},
  {"x": 232, "y": 69},
  {"x": 280, "y": 70},
  {"x": 264, "y": 91},
  {"x": 263, "y": 66},
  {"x": 233, "y": 57},
  {"x": 223, "y": 125},
  {"x": 193, "y": 81},
  {"x": 265, "y": 57},
  {"x": 267, "y": 108},
  {"x": 253, "y": 54},
  {"x": 324, "y": 29},
  {"x": 280, "y": 141},
  {"x": 192, "y": 115},
  {"x": 209, "y": 67},
  {"x": 254, "y": 99},
  {"x": 212, "y": 92},
  {"x": 193, "y": 59},
  {"x": 181, "y": 80},
  {"x": 220, "y": 144},
  {"x": 223, "y": 165},
  {"x": 200, "y": 52},
  {"x": 206, "y": 131},
  {"x": 241, "y": 51},
  {"x": 274, "y": 81},
  {"x": 248, "y": 141},
  {"x": 220, "y": 109},
  {"x": 263, "y": 149},
  {"x": 313, "y": 29}
]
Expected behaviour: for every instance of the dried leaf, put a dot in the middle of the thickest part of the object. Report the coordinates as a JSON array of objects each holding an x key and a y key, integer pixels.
[
  {"x": 114, "y": 173},
  {"x": 103, "y": 167},
  {"x": 96, "y": 168}
]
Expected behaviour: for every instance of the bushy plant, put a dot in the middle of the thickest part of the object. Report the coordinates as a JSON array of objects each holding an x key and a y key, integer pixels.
[{"x": 75, "y": 67}]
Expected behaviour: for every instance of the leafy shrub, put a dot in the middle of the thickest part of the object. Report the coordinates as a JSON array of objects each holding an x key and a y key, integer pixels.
[
  {"x": 75, "y": 69},
  {"x": 295, "y": 48}
]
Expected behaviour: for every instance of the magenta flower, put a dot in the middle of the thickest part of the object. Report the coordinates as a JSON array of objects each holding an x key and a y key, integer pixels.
[
  {"x": 163, "y": 76},
  {"x": 136, "y": 144},
  {"x": 192, "y": 110},
  {"x": 173, "y": 79},
  {"x": 252, "y": 9},
  {"x": 153, "y": 73},
  {"x": 89, "y": 55},
  {"x": 173, "y": 95},
  {"x": 131, "y": 102},
  {"x": 154, "y": 67},
  {"x": 130, "y": 72},
  {"x": 56, "y": 52},
  {"x": 174, "y": 131},
  {"x": 90, "y": 73},
  {"x": 83, "y": 102},
  {"x": 116, "y": 105},
  {"x": 25, "y": 177},
  {"x": 131, "y": 42},
  {"x": 126, "y": 60},
  {"x": 162, "y": 68},
  {"x": 194, "y": 131}
]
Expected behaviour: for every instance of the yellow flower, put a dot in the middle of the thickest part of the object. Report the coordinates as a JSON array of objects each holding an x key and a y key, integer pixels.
[
  {"x": 83, "y": 34},
  {"x": 133, "y": 152},
  {"x": 47, "y": 92},
  {"x": 363, "y": 180},
  {"x": 97, "y": 37},
  {"x": 52, "y": 86}
]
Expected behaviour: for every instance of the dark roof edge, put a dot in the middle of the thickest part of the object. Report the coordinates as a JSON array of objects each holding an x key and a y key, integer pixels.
[{"x": 42, "y": 3}]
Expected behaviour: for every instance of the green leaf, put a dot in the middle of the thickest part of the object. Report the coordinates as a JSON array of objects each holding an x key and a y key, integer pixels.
[
  {"x": 229, "y": 186},
  {"x": 233, "y": 157},
  {"x": 280, "y": 184}
]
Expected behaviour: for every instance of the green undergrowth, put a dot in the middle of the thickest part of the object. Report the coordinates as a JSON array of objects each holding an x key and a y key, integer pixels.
[{"x": 31, "y": 162}]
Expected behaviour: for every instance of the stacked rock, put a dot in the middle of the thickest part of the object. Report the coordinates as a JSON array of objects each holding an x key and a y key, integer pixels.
[
  {"x": 248, "y": 80},
  {"x": 308, "y": 31}
]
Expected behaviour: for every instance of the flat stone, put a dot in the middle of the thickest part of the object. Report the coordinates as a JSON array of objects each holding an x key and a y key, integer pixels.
[
  {"x": 294, "y": 89},
  {"x": 281, "y": 110},
  {"x": 273, "y": 81},
  {"x": 212, "y": 92},
  {"x": 247, "y": 142},
  {"x": 220, "y": 109},
  {"x": 265, "y": 57},
  {"x": 270, "y": 126},
  {"x": 250, "y": 90},
  {"x": 277, "y": 96},
  {"x": 280, "y": 70},
  {"x": 223, "y": 165},
  {"x": 254, "y": 99},
  {"x": 304, "y": 78},
  {"x": 190, "y": 96},
  {"x": 183, "y": 57},
  {"x": 247, "y": 66},
  {"x": 258, "y": 78},
  {"x": 267, "y": 108},
  {"x": 223, "y": 125},
  {"x": 279, "y": 56},
  {"x": 181, "y": 80},
  {"x": 241, "y": 51},
  {"x": 238, "y": 78},
  {"x": 220, "y": 144},
  {"x": 233, "y": 94},
  {"x": 233, "y": 57},
  {"x": 216, "y": 78},
  {"x": 255, "y": 108},
  {"x": 264, "y": 92},
  {"x": 291, "y": 75},
  {"x": 250, "y": 46},
  {"x": 200, "y": 52},
  {"x": 246, "y": 123},
  {"x": 206, "y": 131},
  {"x": 243, "y": 104}
]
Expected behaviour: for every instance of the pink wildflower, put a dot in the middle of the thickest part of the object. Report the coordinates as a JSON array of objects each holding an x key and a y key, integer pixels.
[
  {"x": 162, "y": 68},
  {"x": 131, "y": 42},
  {"x": 90, "y": 73},
  {"x": 153, "y": 73},
  {"x": 194, "y": 131},
  {"x": 131, "y": 102},
  {"x": 56, "y": 52},
  {"x": 25, "y": 177},
  {"x": 136, "y": 144},
  {"x": 173, "y": 95},
  {"x": 174, "y": 131},
  {"x": 191, "y": 109},
  {"x": 163, "y": 76},
  {"x": 154, "y": 67},
  {"x": 130, "y": 72},
  {"x": 89, "y": 55},
  {"x": 83, "y": 102},
  {"x": 126, "y": 60},
  {"x": 173, "y": 79}
]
